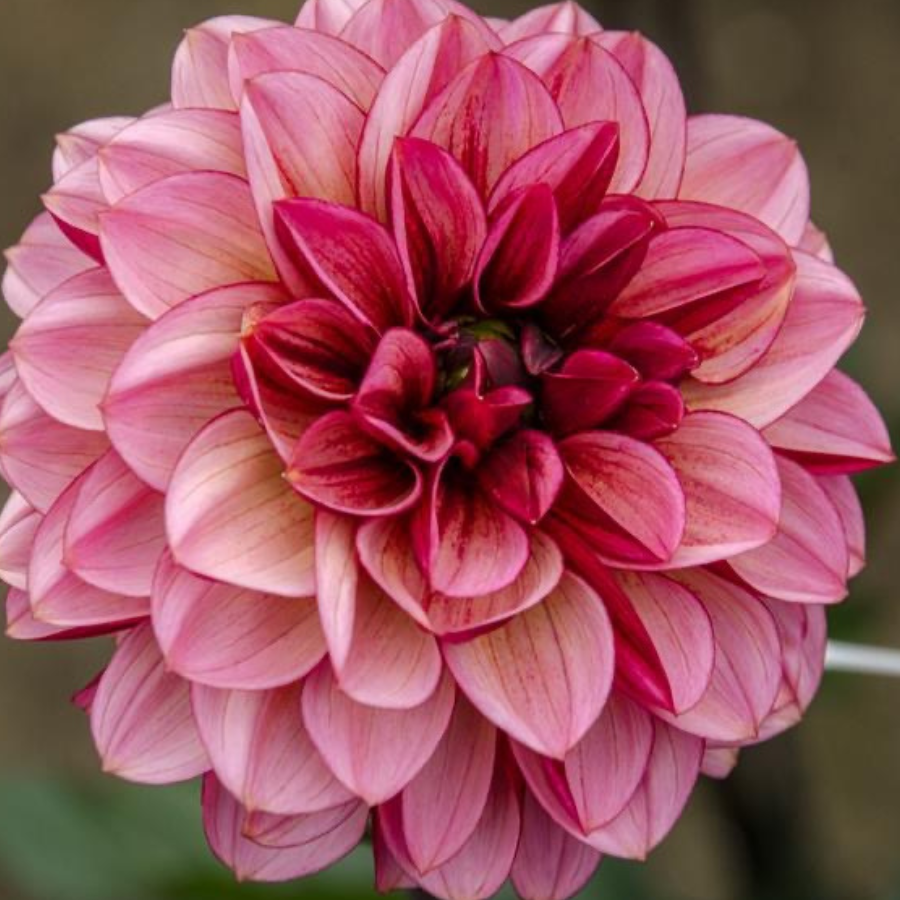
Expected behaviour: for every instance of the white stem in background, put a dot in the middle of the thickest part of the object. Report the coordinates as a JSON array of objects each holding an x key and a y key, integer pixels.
[{"x": 843, "y": 657}]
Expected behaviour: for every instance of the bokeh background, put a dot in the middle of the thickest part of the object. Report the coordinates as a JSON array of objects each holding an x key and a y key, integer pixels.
[{"x": 814, "y": 815}]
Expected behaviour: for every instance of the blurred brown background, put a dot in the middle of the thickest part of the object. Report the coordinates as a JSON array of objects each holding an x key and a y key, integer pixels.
[{"x": 816, "y": 815}]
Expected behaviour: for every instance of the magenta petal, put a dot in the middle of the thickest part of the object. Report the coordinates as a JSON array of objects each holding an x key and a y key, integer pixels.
[
  {"x": 318, "y": 345},
  {"x": 807, "y": 560},
  {"x": 438, "y": 220},
  {"x": 654, "y": 350},
  {"x": 40, "y": 456},
  {"x": 730, "y": 484},
  {"x": 261, "y": 752},
  {"x": 286, "y": 49},
  {"x": 494, "y": 111},
  {"x": 567, "y": 64},
  {"x": 442, "y": 805},
  {"x": 353, "y": 256},
  {"x": 374, "y": 752},
  {"x": 141, "y": 717},
  {"x": 835, "y": 429},
  {"x": 576, "y": 165},
  {"x": 749, "y": 166},
  {"x": 550, "y": 863},
  {"x": 338, "y": 465},
  {"x": 181, "y": 236},
  {"x": 586, "y": 391},
  {"x": 626, "y": 494},
  {"x": 70, "y": 344},
  {"x": 659, "y": 801},
  {"x": 233, "y": 638},
  {"x": 544, "y": 676},
  {"x": 18, "y": 523},
  {"x": 524, "y": 474},
  {"x": 654, "y": 410},
  {"x": 116, "y": 531},
  {"x": 418, "y": 77},
  {"x": 169, "y": 386},
  {"x": 314, "y": 842},
  {"x": 230, "y": 515},
  {"x": 517, "y": 264},
  {"x": 182, "y": 140}
]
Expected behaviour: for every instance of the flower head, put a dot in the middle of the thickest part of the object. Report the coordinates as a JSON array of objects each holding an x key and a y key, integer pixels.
[{"x": 446, "y": 426}]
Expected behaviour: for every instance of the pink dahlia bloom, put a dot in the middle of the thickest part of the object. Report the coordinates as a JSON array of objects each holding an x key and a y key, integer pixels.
[{"x": 446, "y": 427}]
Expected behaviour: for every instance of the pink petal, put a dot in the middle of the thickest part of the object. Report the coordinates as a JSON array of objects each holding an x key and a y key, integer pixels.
[
  {"x": 116, "y": 532},
  {"x": 76, "y": 202},
  {"x": 815, "y": 242},
  {"x": 524, "y": 475},
  {"x": 463, "y": 541},
  {"x": 83, "y": 142},
  {"x": 418, "y": 77},
  {"x": 747, "y": 670},
  {"x": 232, "y": 638},
  {"x": 374, "y": 752},
  {"x": 807, "y": 560},
  {"x": 550, "y": 864},
  {"x": 660, "y": 91},
  {"x": 231, "y": 516},
  {"x": 576, "y": 165},
  {"x": 484, "y": 862},
  {"x": 438, "y": 221},
  {"x": 384, "y": 550},
  {"x": 625, "y": 494},
  {"x": 567, "y": 64},
  {"x": 300, "y": 137},
  {"x": 565, "y": 18},
  {"x": 680, "y": 630},
  {"x": 21, "y": 625},
  {"x": 314, "y": 842},
  {"x": 40, "y": 456},
  {"x": 287, "y": 49},
  {"x": 183, "y": 140},
  {"x": 670, "y": 777},
  {"x": 834, "y": 429},
  {"x": 59, "y": 597},
  {"x": 339, "y": 466},
  {"x": 42, "y": 260},
  {"x": 18, "y": 524},
  {"x": 488, "y": 116},
  {"x": 731, "y": 487},
  {"x": 177, "y": 377},
  {"x": 719, "y": 762},
  {"x": 352, "y": 255},
  {"x": 318, "y": 345},
  {"x": 347, "y": 821},
  {"x": 517, "y": 264},
  {"x": 200, "y": 70},
  {"x": 842, "y": 494},
  {"x": 181, "y": 236},
  {"x": 442, "y": 805},
  {"x": 327, "y": 16},
  {"x": 141, "y": 717},
  {"x": 70, "y": 344},
  {"x": 544, "y": 676},
  {"x": 822, "y": 321},
  {"x": 749, "y": 166},
  {"x": 261, "y": 752}
]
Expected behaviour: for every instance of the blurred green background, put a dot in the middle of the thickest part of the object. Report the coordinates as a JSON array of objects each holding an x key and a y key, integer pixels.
[{"x": 814, "y": 815}]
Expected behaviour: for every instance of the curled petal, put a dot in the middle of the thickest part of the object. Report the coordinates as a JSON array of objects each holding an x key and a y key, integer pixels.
[
  {"x": 177, "y": 377},
  {"x": 231, "y": 516},
  {"x": 181, "y": 236},
  {"x": 261, "y": 752},
  {"x": 654, "y": 350},
  {"x": 232, "y": 638},
  {"x": 374, "y": 752},
  {"x": 141, "y": 717},
  {"x": 544, "y": 676},
  {"x": 807, "y": 560},
  {"x": 71, "y": 343},
  {"x": 749, "y": 166},
  {"x": 731, "y": 487}
]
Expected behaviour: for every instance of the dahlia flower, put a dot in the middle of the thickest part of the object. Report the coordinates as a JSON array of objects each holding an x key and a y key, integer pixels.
[{"x": 445, "y": 426}]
